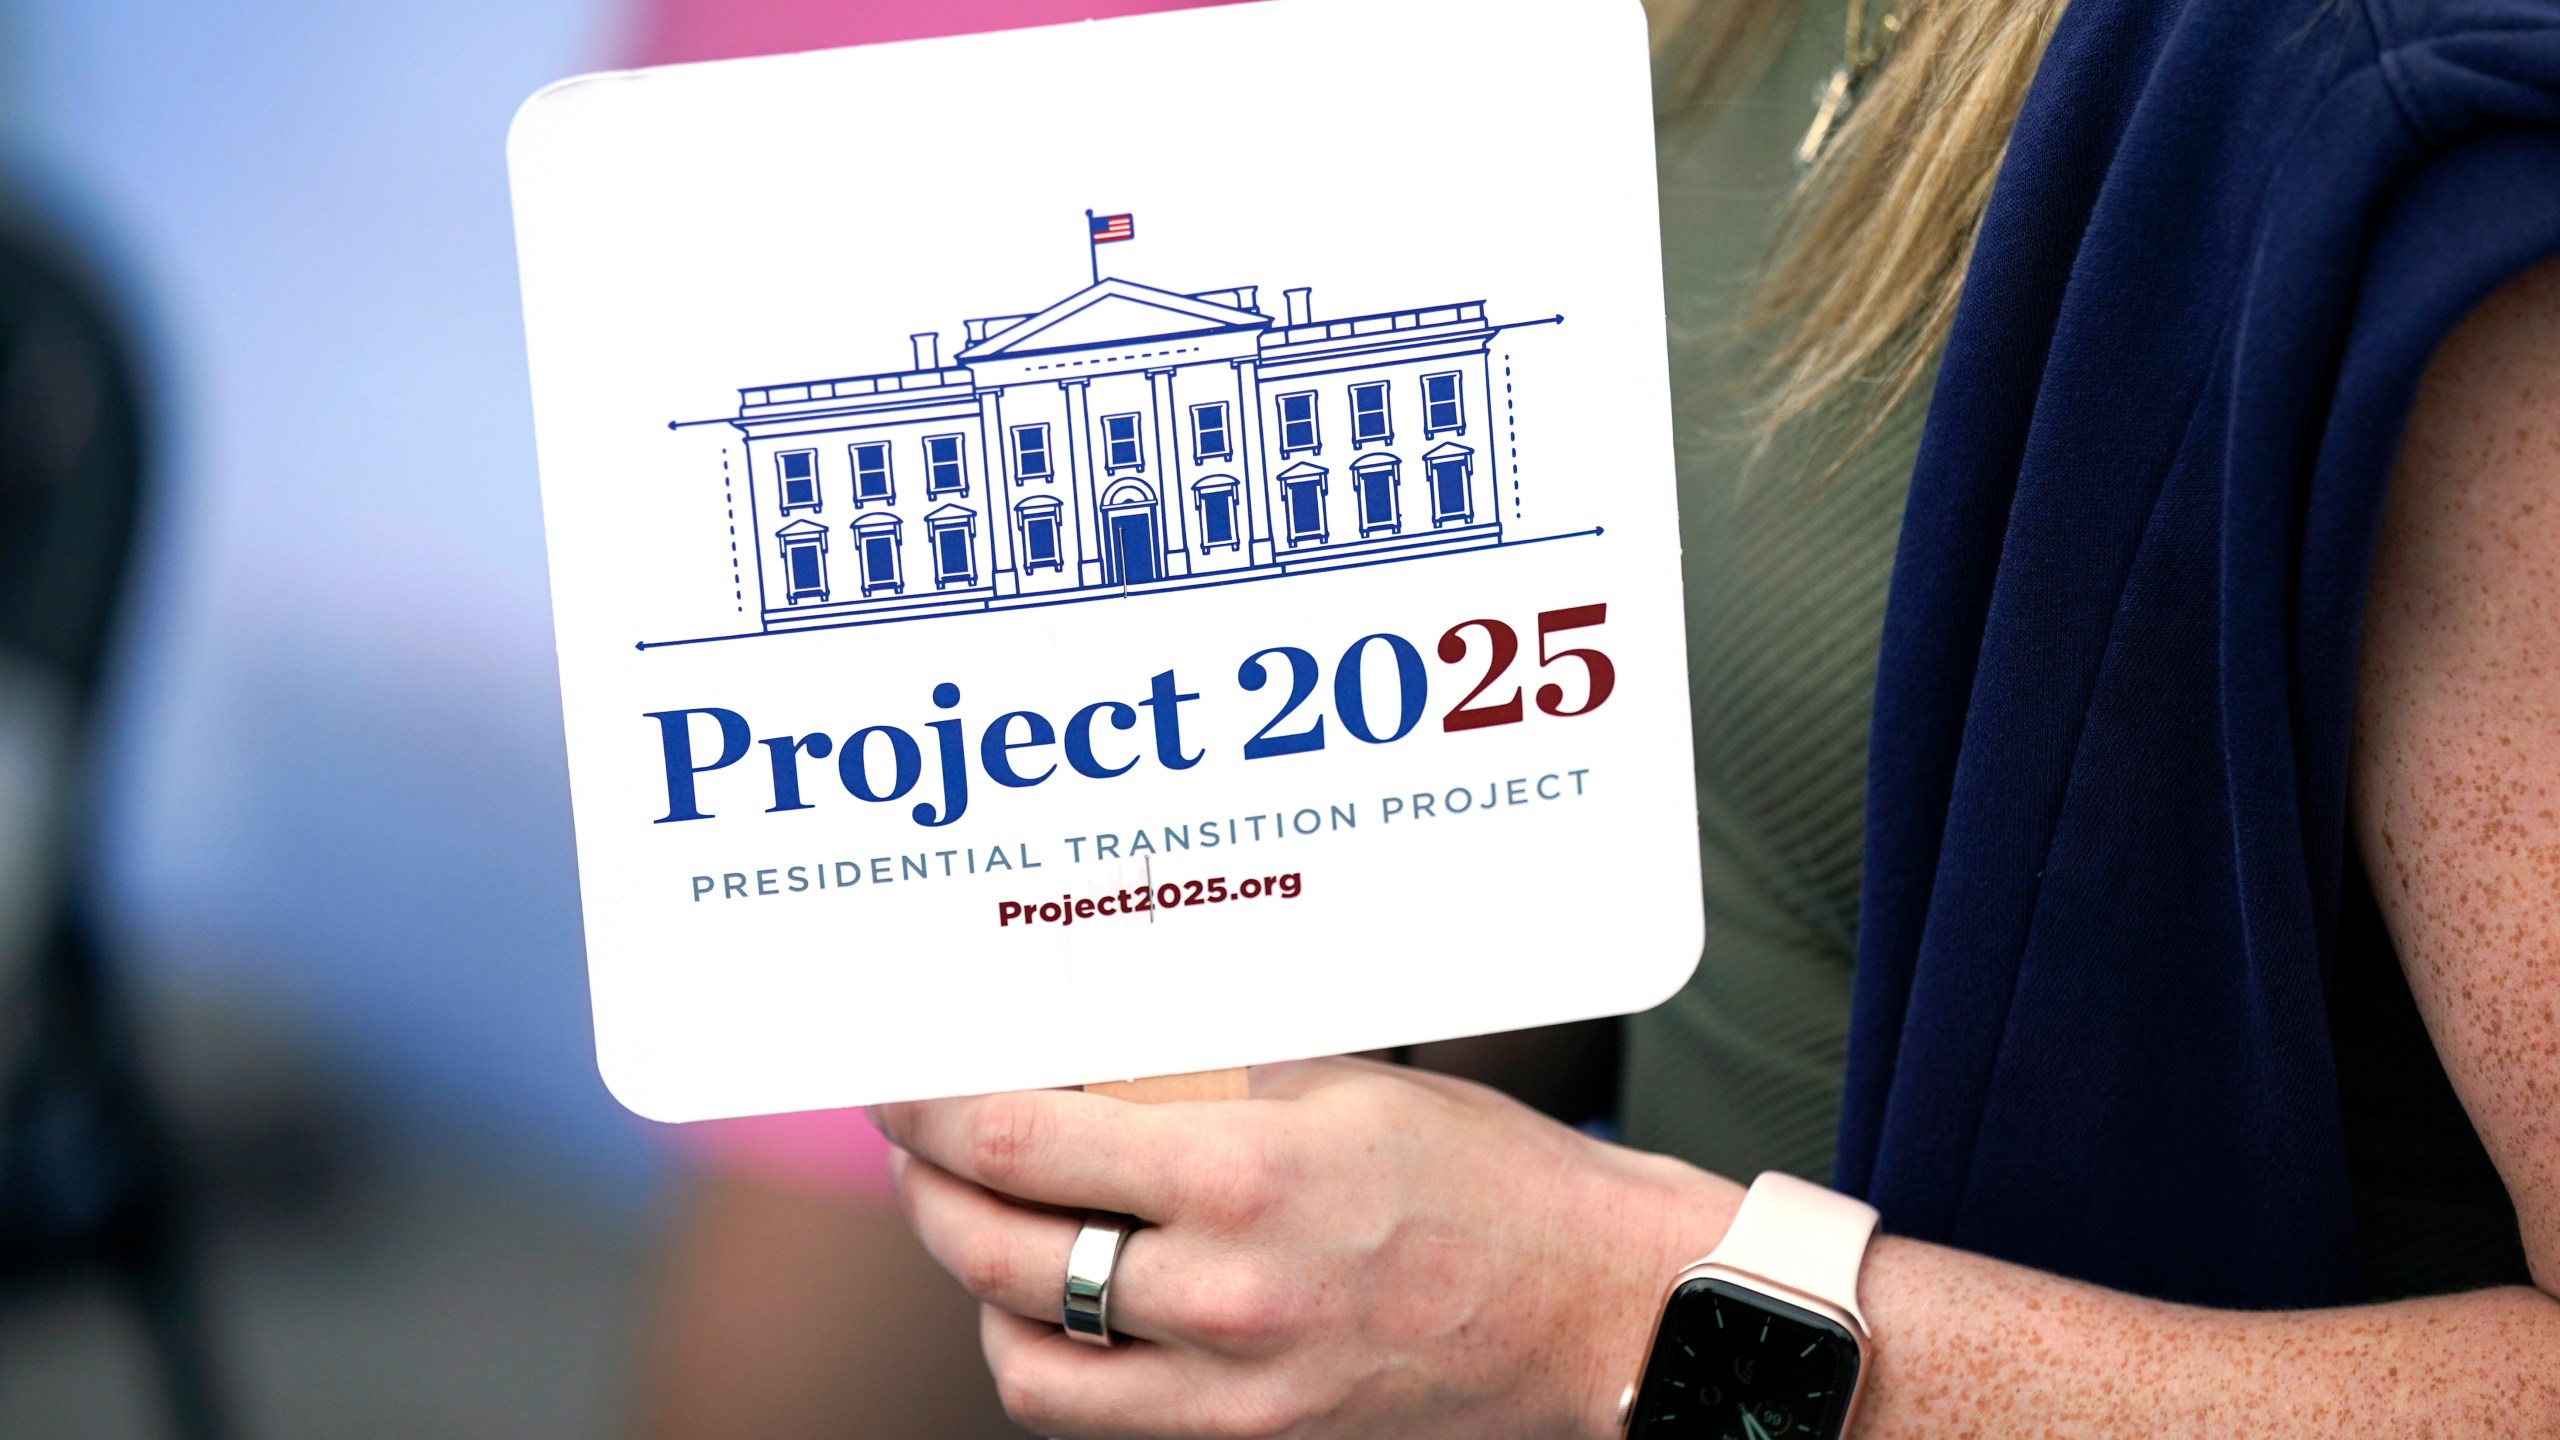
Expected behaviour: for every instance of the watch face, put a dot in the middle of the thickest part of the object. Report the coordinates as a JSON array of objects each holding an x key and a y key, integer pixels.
[{"x": 1732, "y": 1364}]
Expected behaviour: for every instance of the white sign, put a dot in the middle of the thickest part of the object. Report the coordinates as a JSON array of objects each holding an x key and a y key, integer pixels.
[{"x": 1112, "y": 550}]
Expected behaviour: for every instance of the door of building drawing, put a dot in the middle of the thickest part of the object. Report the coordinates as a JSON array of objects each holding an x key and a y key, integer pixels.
[{"x": 1133, "y": 547}]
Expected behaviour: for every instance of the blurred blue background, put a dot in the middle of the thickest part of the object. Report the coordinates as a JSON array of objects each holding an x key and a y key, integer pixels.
[
  {"x": 330, "y": 840},
  {"x": 331, "y": 837},
  {"x": 335, "y": 790}
]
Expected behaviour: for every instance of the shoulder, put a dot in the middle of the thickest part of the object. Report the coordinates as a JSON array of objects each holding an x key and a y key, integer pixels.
[{"x": 2457, "y": 763}]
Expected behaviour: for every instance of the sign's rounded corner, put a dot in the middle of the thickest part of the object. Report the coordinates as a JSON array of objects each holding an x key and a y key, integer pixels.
[
  {"x": 647, "y": 1101},
  {"x": 537, "y": 106},
  {"x": 1691, "y": 942}
]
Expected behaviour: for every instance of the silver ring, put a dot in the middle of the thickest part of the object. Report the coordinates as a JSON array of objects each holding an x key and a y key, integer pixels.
[{"x": 1086, "y": 1310}]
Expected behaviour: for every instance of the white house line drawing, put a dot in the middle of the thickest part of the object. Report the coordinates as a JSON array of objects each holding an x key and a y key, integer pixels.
[{"x": 1125, "y": 440}]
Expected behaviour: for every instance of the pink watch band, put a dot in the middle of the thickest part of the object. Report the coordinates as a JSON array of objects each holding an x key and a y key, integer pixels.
[{"x": 1798, "y": 1235}]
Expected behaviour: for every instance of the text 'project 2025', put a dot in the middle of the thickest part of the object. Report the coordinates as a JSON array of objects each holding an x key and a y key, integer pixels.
[{"x": 1023, "y": 748}]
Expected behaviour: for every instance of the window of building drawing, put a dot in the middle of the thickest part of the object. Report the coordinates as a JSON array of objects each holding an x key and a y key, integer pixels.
[
  {"x": 1302, "y": 500},
  {"x": 1040, "y": 547},
  {"x": 871, "y": 473},
  {"x": 807, "y": 563},
  {"x": 876, "y": 540},
  {"x": 1218, "y": 519},
  {"x": 804, "y": 562},
  {"x": 1444, "y": 404},
  {"x": 1031, "y": 452},
  {"x": 1375, "y": 479},
  {"x": 1298, "y": 423},
  {"x": 1209, "y": 432},
  {"x": 799, "y": 472},
  {"x": 955, "y": 555},
  {"x": 1451, "y": 467},
  {"x": 1369, "y": 414},
  {"x": 945, "y": 472},
  {"x": 1120, "y": 448}
]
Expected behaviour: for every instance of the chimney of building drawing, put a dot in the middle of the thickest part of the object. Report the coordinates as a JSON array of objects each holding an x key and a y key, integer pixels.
[
  {"x": 1301, "y": 306},
  {"x": 928, "y": 351}
]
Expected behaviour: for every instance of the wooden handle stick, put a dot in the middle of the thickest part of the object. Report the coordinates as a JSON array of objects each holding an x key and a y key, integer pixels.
[
  {"x": 1165, "y": 1089},
  {"x": 1170, "y": 1089}
]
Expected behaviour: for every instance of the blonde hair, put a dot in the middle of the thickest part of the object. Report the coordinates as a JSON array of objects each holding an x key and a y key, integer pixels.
[{"x": 1861, "y": 289}]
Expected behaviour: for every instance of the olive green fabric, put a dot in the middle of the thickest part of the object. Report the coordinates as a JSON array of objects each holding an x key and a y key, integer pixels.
[{"x": 1785, "y": 567}]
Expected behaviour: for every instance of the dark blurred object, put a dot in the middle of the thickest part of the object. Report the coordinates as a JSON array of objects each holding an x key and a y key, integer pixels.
[
  {"x": 88, "y": 1179},
  {"x": 1570, "y": 1072},
  {"x": 272, "y": 1142}
]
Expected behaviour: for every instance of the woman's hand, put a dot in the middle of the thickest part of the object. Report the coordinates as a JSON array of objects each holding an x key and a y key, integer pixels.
[{"x": 1356, "y": 1251}]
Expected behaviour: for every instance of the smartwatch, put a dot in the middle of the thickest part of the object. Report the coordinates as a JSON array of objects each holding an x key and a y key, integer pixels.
[{"x": 1763, "y": 1339}]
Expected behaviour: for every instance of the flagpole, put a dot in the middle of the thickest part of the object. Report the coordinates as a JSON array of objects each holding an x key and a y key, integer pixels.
[{"x": 1092, "y": 250}]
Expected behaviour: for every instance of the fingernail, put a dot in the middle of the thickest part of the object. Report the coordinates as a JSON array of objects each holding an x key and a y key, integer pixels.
[{"x": 898, "y": 1161}]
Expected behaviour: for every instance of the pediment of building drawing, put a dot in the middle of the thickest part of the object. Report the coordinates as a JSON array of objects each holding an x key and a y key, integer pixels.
[{"x": 1113, "y": 312}]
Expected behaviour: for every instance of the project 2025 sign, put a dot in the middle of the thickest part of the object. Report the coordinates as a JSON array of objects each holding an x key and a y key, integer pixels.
[{"x": 1235, "y": 621}]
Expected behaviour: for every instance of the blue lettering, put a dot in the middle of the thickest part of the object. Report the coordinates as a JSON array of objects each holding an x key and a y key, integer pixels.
[
  {"x": 1167, "y": 706},
  {"x": 1080, "y": 739},
  {"x": 955, "y": 766},
  {"x": 906, "y": 759},
  {"x": 675, "y": 734},
  {"x": 786, "y": 768},
  {"x": 996, "y": 752}
]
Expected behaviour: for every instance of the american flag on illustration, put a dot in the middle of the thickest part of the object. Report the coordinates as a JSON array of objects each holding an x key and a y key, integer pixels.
[{"x": 1110, "y": 229}]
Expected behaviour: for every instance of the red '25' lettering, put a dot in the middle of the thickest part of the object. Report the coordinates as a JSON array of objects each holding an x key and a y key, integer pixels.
[
  {"x": 1361, "y": 714},
  {"x": 1600, "y": 677}
]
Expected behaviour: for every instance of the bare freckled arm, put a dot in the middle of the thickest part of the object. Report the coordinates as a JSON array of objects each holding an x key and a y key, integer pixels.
[
  {"x": 2457, "y": 801},
  {"x": 2457, "y": 768}
]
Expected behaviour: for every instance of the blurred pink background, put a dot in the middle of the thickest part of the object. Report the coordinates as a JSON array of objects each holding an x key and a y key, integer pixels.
[{"x": 668, "y": 31}]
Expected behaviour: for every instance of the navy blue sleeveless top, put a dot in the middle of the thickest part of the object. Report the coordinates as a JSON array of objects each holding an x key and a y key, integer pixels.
[{"x": 2106, "y": 839}]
